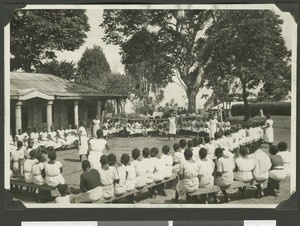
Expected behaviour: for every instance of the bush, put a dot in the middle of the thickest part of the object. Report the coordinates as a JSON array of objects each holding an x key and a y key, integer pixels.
[{"x": 272, "y": 108}]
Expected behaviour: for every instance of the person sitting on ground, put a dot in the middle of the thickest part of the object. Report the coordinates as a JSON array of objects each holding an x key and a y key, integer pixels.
[
  {"x": 244, "y": 167},
  {"x": 188, "y": 176},
  {"x": 224, "y": 174},
  {"x": 108, "y": 176},
  {"x": 53, "y": 139},
  {"x": 90, "y": 185},
  {"x": 286, "y": 156},
  {"x": 64, "y": 197},
  {"x": 43, "y": 138},
  {"x": 140, "y": 169},
  {"x": 35, "y": 136},
  {"x": 148, "y": 164},
  {"x": 262, "y": 166},
  {"x": 53, "y": 170},
  {"x": 120, "y": 187},
  {"x": 277, "y": 172}
]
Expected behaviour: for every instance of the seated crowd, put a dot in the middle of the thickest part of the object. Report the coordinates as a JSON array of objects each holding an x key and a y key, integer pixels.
[{"x": 203, "y": 162}]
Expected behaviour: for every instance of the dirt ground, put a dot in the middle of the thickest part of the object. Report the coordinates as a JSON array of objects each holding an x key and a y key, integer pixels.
[{"x": 119, "y": 146}]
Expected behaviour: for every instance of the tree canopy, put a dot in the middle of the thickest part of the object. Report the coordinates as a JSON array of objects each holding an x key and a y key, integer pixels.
[
  {"x": 37, "y": 34},
  {"x": 249, "y": 50}
]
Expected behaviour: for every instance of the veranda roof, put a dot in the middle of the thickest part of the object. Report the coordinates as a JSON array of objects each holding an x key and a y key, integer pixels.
[{"x": 25, "y": 86}]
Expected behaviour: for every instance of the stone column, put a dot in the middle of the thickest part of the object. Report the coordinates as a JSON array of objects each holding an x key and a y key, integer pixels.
[
  {"x": 18, "y": 114},
  {"x": 99, "y": 110},
  {"x": 49, "y": 114},
  {"x": 118, "y": 107},
  {"x": 76, "y": 118}
]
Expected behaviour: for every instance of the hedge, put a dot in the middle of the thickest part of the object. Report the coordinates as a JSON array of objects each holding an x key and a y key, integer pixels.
[{"x": 272, "y": 108}]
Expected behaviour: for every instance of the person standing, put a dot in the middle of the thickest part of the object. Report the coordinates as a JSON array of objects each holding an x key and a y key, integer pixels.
[
  {"x": 96, "y": 125},
  {"x": 269, "y": 132},
  {"x": 261, "y": 113},
  {"x": 172, "y": 125},
  {"x": 83, "y": 140},
  {"x": 213, "y": 127}
]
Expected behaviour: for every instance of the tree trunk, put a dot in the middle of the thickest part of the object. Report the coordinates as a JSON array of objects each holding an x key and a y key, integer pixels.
[
  {"x": 246, "y": 103},
  {"x": 191, "y": 101}
]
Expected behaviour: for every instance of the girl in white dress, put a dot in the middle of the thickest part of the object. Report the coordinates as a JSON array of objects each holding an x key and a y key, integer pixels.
[
  {"x": 83, "y": 141},
  {"x": 96, "y": 148},
  {"x": 148, "y": 164},
  {"x": 140, "y": 169},
  {"x": 120, "y": 187},
  {"x": 38, "y": 170},
  {"x": 188, "y": 176},
  {"x": 53, "y": 170},
  {"x": 64, "y": 197},
  {"x": 213, "y": 127},
  {"x": 168, "y": 161},
  {"x": 286, "y": 156},
  {"x": 53, "y": 139},
  {"x": 172, "y": 126},
  {"x": 28, "y": 163},
  {"x": 269, "y": 132},
  {"x": 17, "y": 157},
  {"x": 96, "y": 125}
]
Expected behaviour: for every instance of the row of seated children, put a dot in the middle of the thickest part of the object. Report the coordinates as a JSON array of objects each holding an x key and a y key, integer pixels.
[
  {"x": 58, "y": 139},
  {"x": 37, "y": 166},
  {"x": 199, "y": 168}
]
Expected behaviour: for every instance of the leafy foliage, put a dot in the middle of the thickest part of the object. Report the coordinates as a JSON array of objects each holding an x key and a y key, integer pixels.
[
  {"x": 249, "y": 49},
  {"x": 36, "y": 34},
  {"x": 169, "y": 39},
  {"x": 93, "y": 68},
  {"x": 63, "y": 69}
]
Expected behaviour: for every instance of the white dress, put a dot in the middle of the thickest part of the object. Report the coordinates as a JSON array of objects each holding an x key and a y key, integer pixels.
[
  {"x": 53, "y": 175},
  {"x": 131, "y": 175},
  {"x": 140, "y": 171},
  {"x": 245, "y": 166},
  {"x": 96, "y": 126},
  {"x": 269, "y": 132},
  {"x": 149, "y": 165},
  {"x": 172, "y": 125},
  {"x": 37, "y": 177},
  {"x": 83, "y": 145},
  {"x": 97, "y": 147},
  {"x": 262, "y": 165},
  {"x": 107, "y": 178},
  {"x": 16, "y": 155},
  {"x": 120, "y": 188},
  {"x": 28, "y": 163},
  {"x": 213, "y": 128},
  {"x": 169, "y": 165}
]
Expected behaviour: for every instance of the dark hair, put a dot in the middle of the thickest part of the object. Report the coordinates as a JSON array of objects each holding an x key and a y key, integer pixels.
[
  {"x": 195, "y": 141},
  {"x": 50, "y": 148},
  {"x": 135, "y": 153},
  {"x": 99, "y": 133},
  {"x": 32, "y": 153},
  {"x": 268, "y": 116},
  {"x": 146, "y": 152},
  {"x": 104, "y": 160},
  {"x": 85, "y": 164},
  {"x": 200, "y": 140},
  {"x": 125, "y": 159},
  {"x": 19, "y": 144},
  {"x": 154, "y": 152},
  {"x": 202, "y": 153},
  {"x": 188, "y": 154},
  {"x": 52, "y": 155},
  {"x": 39, "y": 156},
  {"x": 112, "y": 159},
  {"x": 182, "y": 143},
  {"x": 207, "y": 139},
  {"x": 273, "y": 150},
  {"x": 165, "y": 149},
  {"x": 190, "y": 144},
  {"x": 63, "y": 189},
  {"x": 282, "y": 146},
  {"x": 244, "y": 151},
  {"x": 217, "y": 135},
  {"x": 255, "y": 146},
  {"x": 176, "y": 146},
  {"x": 219, "y": 151}
]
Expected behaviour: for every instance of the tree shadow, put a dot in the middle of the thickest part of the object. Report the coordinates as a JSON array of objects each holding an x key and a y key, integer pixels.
[{"x": 72, "y": 160}]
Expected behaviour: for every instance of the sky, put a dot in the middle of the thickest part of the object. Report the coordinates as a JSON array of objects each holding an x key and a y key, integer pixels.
[{"x": 94, "y": 37}]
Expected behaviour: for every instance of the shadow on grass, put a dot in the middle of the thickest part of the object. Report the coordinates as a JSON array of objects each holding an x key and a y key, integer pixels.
[{"x": 72, "y": 160}]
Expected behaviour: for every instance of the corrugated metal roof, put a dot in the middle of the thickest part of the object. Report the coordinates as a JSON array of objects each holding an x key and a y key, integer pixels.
[{"x": 51, "y": 85}]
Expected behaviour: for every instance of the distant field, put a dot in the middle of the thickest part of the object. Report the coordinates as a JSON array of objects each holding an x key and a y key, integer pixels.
[{"x": 119, "y": 146}]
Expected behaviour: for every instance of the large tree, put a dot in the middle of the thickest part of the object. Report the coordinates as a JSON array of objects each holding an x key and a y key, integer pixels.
[
  {"x": 248, "y": 48},
  {"x": 37, "y": 34},
  {"x": 177, "y": 36},
  {"x": 93, "y": 68},
  {"x": 62, "y": 69}
]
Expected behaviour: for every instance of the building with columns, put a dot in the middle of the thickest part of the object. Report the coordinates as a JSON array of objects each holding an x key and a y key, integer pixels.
[{"x": 43, "y": 100}]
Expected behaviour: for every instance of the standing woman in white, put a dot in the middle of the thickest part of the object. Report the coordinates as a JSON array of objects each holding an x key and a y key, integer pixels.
[
  {"x": 83, "y": 140},
  {"x": 96, "y": 125},
  {"x": 172, "y": 125},
  {"x": 269, "y": 132},
  {"x": 213, "y": 127}
]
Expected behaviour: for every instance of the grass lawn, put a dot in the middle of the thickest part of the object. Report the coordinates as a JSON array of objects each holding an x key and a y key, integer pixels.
[{"x": 119, "y": 146}]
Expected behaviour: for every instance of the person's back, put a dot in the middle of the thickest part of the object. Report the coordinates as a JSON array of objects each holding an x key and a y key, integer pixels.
[
  {"x": 206, "y": 169},
  {"x": 262, "y": 165},
  {"x": 245, "y": 165},
  {"x": 28, "y": 163},
  {"x": 120, "y": 187},
  {"x": 159, "y": 168},
  {"x": 108, "y": 176},
  {"x": 286, "y": 156}
]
